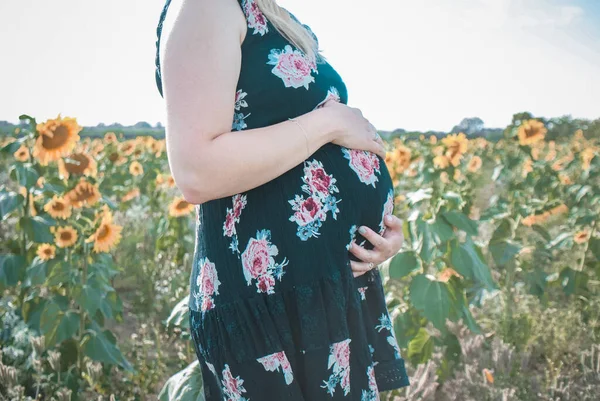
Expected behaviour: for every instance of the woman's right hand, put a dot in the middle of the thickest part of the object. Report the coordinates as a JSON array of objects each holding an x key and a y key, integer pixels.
[{"x": 355, "y": 131}]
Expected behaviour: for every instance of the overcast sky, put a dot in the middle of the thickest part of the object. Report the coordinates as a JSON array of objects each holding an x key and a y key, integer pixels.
[{"x": 418, "y": 64}]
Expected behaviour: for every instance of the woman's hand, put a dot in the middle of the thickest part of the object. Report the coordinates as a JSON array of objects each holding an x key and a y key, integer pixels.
[
  {"x": 384, "y": 246},
  {"x": 354, "y": 131}
]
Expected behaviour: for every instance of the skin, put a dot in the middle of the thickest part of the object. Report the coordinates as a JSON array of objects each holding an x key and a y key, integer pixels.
[{"x": 200, "y": 64}]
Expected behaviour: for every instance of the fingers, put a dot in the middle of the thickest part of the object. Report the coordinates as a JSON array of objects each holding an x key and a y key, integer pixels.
[
  {"x": 360, "y": 268},
  {"x": 393, "y": 222},
  {"x": 365, "y": 255},
  {"x": 374, "y": 238}
]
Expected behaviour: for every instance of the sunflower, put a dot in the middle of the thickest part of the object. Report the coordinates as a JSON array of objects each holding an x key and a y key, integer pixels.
[
  {"x": 58, "y": 208},
  {"x": 110, "y": 137},
  {"x": 441, "y": 162},
  {"x": 444, "y": 177},
  {"x": 445, "y": 275},
  {"x": 108, "y": 234},
  {"x": 456, "y": 147},
  {"x": 157, "y": 147},
  {"x": 127, "y": 147},
  {"x": 527, "y": 167},
  {"x": 180, "y": 207},
  {"x": 170, "y": 181},
  {"x": 22, "y": 154},
  {"x": 84, "y": 193},
  {"x": 160, "y": 179},
  {"x": 581, "y": 237},
  {"x": 56, "y": 139},
  {"x": 457, "y": 175},
  {"x": 134, "y": 193},
  {"x": 401, "y": 155},
  {"x": 41, "y": 181},
  {"x": 587, "y": 155},
  {"x": 46, "y": 251},
  {"x": 551, "y": 155},
  {"x": 135, "y": 168},
  {"x": 474, "y": 164},
  {"x": 564, "y": 179},
  {"x": 433, "y": 139},
  {"x": 531, "y": 131},
  {"x": 78, "y": 164},
  {"x": 65, "y": 236}
]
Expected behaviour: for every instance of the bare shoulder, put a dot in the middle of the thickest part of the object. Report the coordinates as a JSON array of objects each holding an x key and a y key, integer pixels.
[{"x": 204, "y": 15}]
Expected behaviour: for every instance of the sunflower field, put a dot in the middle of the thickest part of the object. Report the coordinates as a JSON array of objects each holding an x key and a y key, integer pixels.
[{"x": 494, "y": 294}]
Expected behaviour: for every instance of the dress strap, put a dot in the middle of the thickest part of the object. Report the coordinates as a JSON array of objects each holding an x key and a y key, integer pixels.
[{"x": 161, "y": 20}]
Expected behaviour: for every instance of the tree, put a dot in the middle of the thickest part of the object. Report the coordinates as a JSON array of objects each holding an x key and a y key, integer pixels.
[{"x": 469, "y": 126}]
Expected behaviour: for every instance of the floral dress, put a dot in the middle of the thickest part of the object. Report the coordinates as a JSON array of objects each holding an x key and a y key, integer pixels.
[{"x": 275, "y": 312}]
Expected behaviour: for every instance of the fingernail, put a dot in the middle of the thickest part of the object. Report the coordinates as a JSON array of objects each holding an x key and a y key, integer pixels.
[
  {"x": 388, "y": 218},
  {"x": 362, "y": 230}
]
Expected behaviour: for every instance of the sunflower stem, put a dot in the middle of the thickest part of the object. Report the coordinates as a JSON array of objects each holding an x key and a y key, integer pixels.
[{"x": 83, "y": 314}]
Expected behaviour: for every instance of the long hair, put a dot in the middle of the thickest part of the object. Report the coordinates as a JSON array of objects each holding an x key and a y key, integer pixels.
[{"x": 290, "y": 28}]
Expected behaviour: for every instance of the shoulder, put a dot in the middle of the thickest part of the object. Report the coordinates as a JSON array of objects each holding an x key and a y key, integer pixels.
[{"x": 228, "y": 12}]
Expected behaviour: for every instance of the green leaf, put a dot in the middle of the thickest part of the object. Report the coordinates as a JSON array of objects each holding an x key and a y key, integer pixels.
[
  {"x": 466, "y": 261},
  {"x": 37, "y": 228},
  {"x": 504, "y": 251},
  {"x": 595, "y": 247},
  {"x": 185, "y": 385},
  {"x": 24, "y": 174},
  {"x": 420, "y": 348},
  {"x": 442, "y": 230},
  {"x": 36, "y": 273},
  {"x": 406, "y": 326},
  {"x": 573, "y": 281},
  {"x": 180, "y": 315},
  {"x": 432, "y": 298},
  {"x": 428, "y": 242},
  {"x": 404, "y": 263},
  {"x": 9, "y": 201},
  {"x": 12, "y": 269},
  {"x": 57, "y": 324},
  {"x": 97, "y": 345},
  {"x": 59, "y": 273},
  {"x": 461, "y": 221},
  {"x": 88, "y": 298},
  {"x": 542, "y": 231}
]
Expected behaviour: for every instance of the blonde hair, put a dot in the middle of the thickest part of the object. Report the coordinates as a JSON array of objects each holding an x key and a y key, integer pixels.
[{"x": 289, "y": 28}]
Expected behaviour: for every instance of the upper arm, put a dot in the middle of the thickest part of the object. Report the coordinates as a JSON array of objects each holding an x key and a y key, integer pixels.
[{"x": 201, "y": 60}]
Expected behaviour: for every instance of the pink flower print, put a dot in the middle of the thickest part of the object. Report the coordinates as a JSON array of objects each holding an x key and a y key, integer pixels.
[
  {"x": 292, "y": 66},
  {"x": 308, "y": 210},
  {"x": 274, "y": 361},
  {"x": 332, "y": 94},
  {"x": 388, "y": 209},
  {"x": 318, "y": 181},
  {"x": 339, "y": 361},
  {"x": 372, "y": 394},
  {"x": 363, "y": 293},
  {"x": 229, "y": 225},
  {"x": 239, "y": 99},
  {"x": 311, "y": 212},
  {"x": 208, "y": 285},
  {"x": 239, "y": 202},
  {"x": 232, "y": 217},
  {"x": 232, "y": 387},
  {"x": 258, "y": 262},
  {"x": 364, "y": 163},
  {"x": 256, "y": 19}
]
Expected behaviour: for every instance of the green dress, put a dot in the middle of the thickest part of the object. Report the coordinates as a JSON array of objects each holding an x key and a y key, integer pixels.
[{"x": 275, "y": 312}]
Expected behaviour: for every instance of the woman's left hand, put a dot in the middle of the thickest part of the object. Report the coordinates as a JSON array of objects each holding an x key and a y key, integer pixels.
[{"x": 384, "y": 246}]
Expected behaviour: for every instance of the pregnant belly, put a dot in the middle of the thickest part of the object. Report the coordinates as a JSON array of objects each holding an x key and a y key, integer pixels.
[{"x": 303, "y": 220}]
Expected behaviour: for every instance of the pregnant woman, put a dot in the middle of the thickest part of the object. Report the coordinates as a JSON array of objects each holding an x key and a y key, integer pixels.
[{"x": 291, "y": 193}]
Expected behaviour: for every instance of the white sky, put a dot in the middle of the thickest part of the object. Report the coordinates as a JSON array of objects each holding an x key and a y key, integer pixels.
[{"x": 413, "y": 64}]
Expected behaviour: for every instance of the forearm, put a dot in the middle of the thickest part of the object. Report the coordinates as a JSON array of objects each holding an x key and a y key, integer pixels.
[{"x": 238, "y": 161}]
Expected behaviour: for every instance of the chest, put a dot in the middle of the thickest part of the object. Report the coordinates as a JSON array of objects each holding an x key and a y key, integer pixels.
[{"x": 277, "y": 81}]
